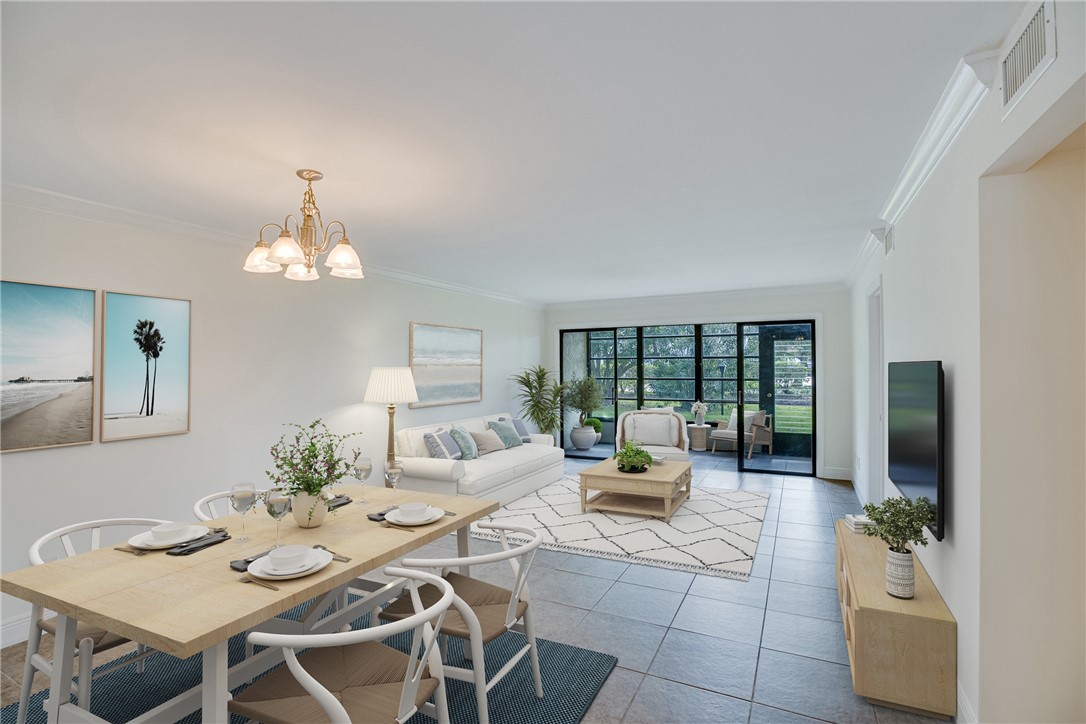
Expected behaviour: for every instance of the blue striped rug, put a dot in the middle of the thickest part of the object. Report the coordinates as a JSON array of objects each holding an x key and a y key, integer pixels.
[{"x": 571, "y": 679}]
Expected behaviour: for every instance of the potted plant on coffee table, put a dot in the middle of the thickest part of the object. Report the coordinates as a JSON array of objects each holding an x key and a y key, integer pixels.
[
  {"x": 584, "y": 396},
  {"x": 632, "y": 458},
  {"x": 898, "y": 522},
  {"x": 307, "y": 464},
  {"x": 541, "y": 398}
]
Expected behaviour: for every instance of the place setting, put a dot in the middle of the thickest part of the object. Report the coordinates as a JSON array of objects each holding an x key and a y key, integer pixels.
[
  {"x": 177, "y": 539},
  {"x": 285, "y": 563}
]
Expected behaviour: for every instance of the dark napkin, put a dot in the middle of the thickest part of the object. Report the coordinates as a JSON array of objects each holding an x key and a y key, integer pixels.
[
  {"x": 211, "y": 539},
  {"x": 242, "y": 564},
  {"x": 338, "y": 502}
]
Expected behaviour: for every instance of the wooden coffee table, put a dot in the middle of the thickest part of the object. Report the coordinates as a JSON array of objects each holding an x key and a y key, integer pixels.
[{"x": 658, "y": 491}]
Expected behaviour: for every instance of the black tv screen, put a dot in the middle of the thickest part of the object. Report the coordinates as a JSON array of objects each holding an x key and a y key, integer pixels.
[{"x": 915, "y": 425}]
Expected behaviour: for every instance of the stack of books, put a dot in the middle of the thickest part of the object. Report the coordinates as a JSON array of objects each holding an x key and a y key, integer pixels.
[{"x": 857, "y": 523}]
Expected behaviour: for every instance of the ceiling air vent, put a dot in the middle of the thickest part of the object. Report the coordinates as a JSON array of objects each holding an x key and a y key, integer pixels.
[{"x": 1030, "y": 54}]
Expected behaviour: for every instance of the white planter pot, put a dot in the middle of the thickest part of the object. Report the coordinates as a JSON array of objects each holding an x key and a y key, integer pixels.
[
  {"x": 308, "y": 510},
  {"x": 583, "y": 438},
  {"x": 900, "y": 574}
]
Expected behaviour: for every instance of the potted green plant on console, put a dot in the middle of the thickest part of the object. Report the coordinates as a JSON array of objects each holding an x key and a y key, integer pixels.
[
  {"x": 584, "y": 396},
  {"x": 306, "y": 465},
  {"x": 898, "y": 522}
]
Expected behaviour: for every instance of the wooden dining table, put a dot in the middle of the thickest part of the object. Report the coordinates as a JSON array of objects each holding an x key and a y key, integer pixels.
[{"x": 185, "y": 605}]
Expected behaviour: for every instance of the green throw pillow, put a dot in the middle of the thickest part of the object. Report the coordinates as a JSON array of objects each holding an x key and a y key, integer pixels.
[
  {"x": 467, "y": 444},
  {"x": 507, "y": 432}
]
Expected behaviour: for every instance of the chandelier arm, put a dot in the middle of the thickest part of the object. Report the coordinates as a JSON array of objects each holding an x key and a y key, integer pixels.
[
  {"x": 342, "y": 231},
  {"x": 265, "y": 226}
]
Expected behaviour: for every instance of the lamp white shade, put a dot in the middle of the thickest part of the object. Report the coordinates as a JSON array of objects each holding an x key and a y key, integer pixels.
[
  {"x": 285, "y": 250},
  {"x": 391, "y": 386},
  {"x": 343, "y": 256},
  {"x": 298, "y": 273},
  {"x": 257, "y": 261},
  {"x": 348, "y": 273}
]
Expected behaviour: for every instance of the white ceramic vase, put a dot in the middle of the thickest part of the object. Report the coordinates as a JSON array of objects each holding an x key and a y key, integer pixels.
[
  {"x": 308, "y": 510},
  {"x": 699, "y": 419},
  {"x": 900, "y": 574}
]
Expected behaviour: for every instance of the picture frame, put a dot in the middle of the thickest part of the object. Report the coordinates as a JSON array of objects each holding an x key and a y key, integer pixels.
[
  {"x": 47, "y": 353},
  {"x": 146, "y": 366},
  {"x": 446, "y": 363}
]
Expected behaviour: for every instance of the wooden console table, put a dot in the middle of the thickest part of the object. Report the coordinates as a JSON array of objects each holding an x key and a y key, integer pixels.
[{"x": 903, "y": 653}]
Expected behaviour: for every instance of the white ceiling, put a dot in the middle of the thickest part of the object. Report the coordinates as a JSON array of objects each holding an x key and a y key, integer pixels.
[{"x": 549, "y": 152}]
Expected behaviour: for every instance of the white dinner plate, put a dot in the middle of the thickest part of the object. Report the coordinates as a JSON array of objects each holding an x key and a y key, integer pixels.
[
  {"x": 317, "y": 560},
  {"x": 394, "y": 516},
  {"x": 147, "y": 542}
]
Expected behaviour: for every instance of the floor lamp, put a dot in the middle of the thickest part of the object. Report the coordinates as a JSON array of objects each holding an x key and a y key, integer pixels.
[{"x": 391, "y": 386}]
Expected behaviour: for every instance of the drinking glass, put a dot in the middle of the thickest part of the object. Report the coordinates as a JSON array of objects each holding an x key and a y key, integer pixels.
[
  {"x": 278, "y": 505},
  {"x": 393, "y": 473},
  {"x": 242, "y": 497},
  {"x": 361, "y": 471}
]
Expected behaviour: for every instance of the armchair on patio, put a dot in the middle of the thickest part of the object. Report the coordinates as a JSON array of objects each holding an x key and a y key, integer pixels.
[
  {"x": 660, "y": 432},
  {"x": 757, "y": 430}
]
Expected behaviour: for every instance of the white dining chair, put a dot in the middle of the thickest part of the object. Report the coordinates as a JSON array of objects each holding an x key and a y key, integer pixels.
[
  {"x": 351, "y": 676},
  {"x": 215, "y": 505},
  {"x": 91, "y": 639},
  {"x": 482, "y": 611}
]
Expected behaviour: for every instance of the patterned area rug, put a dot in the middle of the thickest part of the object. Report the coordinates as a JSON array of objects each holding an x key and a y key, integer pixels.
[{"x": 714, "y": 532}]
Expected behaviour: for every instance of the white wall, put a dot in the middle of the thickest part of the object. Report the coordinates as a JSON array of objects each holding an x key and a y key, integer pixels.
[
  {"x": 828, "y": 306},
  {"x": 265, "y": 351},
  {"x": 934, "y": 286}
]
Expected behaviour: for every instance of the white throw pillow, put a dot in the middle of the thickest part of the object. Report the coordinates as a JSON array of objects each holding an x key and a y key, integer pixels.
[
  {"x": 655, "y": 430},
  {"x": 732, "y": 419}
]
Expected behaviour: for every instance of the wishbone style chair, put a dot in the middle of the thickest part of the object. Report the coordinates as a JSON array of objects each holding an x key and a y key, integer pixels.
[
  {"x": 208, "y": 507},
  {"x": 482, "y": 611},
  {"x": 351, "y": 676},
  {"x": 91, "y": 639}
]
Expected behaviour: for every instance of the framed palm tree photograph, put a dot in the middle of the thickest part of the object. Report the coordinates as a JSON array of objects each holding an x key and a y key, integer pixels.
[{"x": 145, "y": 366}]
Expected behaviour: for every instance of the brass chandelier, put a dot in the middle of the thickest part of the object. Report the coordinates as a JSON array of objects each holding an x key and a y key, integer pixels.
[{"x": 300, "y": 257}]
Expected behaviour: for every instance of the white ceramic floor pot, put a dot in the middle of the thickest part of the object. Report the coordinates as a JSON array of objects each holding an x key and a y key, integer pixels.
[
  {"x": 308, "y": 510},
  {"x": 900, "y": 574},
  {"x": 583, "y": 438}
]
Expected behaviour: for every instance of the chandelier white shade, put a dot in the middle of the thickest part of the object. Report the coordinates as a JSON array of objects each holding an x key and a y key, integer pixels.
[
  {"x": 391, "y": 386},
  {"x": 300, "y": 254}
]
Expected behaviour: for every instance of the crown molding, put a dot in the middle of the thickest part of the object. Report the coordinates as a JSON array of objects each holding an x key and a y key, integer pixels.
[
  {"x": 959, "y": 101},
  {"x": 73, "y": 207},
  {"x": 870, "y": 246}
]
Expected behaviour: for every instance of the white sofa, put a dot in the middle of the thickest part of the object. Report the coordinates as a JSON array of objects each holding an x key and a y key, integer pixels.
[
  {"x": 504, "y": 475},
  {"x": 659, "y": 432}
]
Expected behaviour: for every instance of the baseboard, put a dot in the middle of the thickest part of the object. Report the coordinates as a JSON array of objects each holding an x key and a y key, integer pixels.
[
  {"x": 14, "y": 630},
  {"x": 836, "y": 473},
  {"x": 966, "y": 715}
]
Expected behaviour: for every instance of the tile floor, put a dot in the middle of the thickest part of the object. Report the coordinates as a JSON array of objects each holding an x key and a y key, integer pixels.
[{"x": 697, "y": 648}]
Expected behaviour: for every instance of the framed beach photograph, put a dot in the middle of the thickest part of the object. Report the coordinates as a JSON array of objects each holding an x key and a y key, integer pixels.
[
  {"x": 46, "y": 366},
  {"x": 447, "y": 364},
  {"x": 145, "y": 366}
]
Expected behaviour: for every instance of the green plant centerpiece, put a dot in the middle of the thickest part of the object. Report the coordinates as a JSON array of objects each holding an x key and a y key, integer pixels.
[
  {"x": 540, "y": 396},
  {"x": 633, "y": 458},
  {"x": 899, "y": 522},
  {"x": 307, "y": 463},
  {"x": 584, "y": 396}
]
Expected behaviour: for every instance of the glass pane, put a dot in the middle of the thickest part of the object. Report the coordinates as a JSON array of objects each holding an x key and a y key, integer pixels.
[
  {"x": 729, "y": 391},
  {"x": 751, "y": 399},
  {"x": 670, "y": 331},
  {"x": 711, "y": 390},
  {"x": 718, "y": 346},
  {"x": 627, "y": 348},
  {"x": 669, "y": 390},
  {"x": 720, "y": 367},
  {"x": 792, "y": 364},
  {"x": 602, "y": 368},
  {"x": 602, "y": 348},
  {"x": 718, "y": 329},
  {"x": 719, "y": 412},
  {"x": 750, "y": 344},
  {"x": 574, "y": 355},
  {"x": 601, "y": 334},
  {"x": 627, "y": 389},
  {"x": 627, "y": 368},
  {"x": 656, "y": 368},
  {"x": 627, "y": 332},
  {"x": 750, "y": 367},
  {"x": 626, "y": 406},
  {"x": 669, "y": 347}
]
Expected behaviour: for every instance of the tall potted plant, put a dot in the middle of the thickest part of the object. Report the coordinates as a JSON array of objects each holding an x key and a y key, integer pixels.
[
  {"x": 307, "y": 464},
  {"x": 584, "y": 396},
  {"x": 541, "y": 399},
  {"x": 898, "y": 522}
]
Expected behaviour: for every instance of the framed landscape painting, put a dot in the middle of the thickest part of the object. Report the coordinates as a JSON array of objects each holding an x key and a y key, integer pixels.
[
  {"x": 447, "y": 364},
  {"x": 46, "y": 366},
  {"x": 145, "y": 366}
]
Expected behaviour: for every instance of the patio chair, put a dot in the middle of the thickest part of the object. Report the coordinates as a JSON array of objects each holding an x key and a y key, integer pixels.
[
  {"x": 483, "y": 611},
  {"x": 758, "y": 431},
  {"x": 91, "y": 639},
  {"x": 351, "y": 676}
]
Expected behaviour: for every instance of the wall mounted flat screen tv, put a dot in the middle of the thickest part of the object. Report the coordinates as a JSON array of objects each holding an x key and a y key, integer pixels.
[{"x": 915, "y": 423}]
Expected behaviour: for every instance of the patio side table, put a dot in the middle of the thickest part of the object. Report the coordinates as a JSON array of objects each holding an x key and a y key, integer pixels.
[{"x": 699, "y": 436}]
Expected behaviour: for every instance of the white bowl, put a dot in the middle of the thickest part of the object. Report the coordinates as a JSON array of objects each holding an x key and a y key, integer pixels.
[
  {"x": 168, "y": 531},
  {"x": 286, "y": 557},
  {"x": 413, "y": 511}
]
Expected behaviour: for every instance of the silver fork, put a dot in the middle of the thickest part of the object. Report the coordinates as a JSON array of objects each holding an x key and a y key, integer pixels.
[
  {"x": 133, "y": 551},
  {"x": 247, "y": 579}
]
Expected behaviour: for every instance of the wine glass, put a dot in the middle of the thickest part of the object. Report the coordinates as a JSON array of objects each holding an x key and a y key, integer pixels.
[
  {"x": 393, "y": 473},
  {"x": 242, "y": 497},
  {"x": 361, "y": 471},
  {"x": 278, "y": 505}
]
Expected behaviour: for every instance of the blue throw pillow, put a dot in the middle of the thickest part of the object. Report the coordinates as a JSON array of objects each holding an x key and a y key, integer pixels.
[
  {"x": 506, "y": 432},
  {"x": 442, "y": 445},
  {"x": 522, "y": 429},
  {"x": 468, "y": 450}
]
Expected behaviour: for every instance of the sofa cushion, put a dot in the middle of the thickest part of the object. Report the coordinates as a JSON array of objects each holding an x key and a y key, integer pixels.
[
  {"x": 463, "y": 438},
  {"x": 441, "y": 444},
  {"x": 507, "y": 433},
  {"x": 654, "y": 430},
  {"x": 487, "y": 441},
  {"x": 501, "y": 467}
]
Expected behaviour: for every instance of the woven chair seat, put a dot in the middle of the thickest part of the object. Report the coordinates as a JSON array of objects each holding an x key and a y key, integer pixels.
[
  {"x": 367, "y": 678},
  {"x": 103, "y": 640},
  {"x": 489, "y": 602}
]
